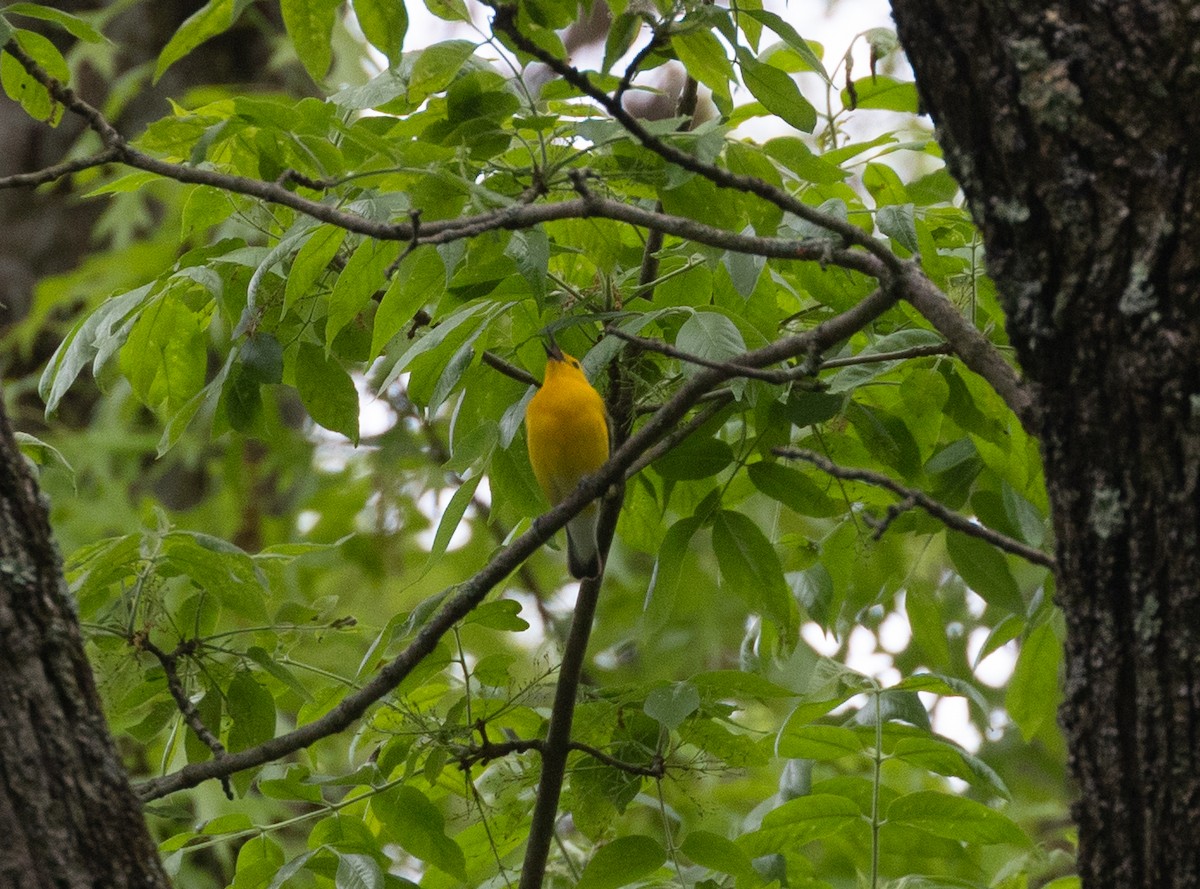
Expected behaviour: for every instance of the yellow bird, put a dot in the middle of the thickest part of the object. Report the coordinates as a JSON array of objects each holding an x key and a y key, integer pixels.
[{"x": 568, "y": 435}]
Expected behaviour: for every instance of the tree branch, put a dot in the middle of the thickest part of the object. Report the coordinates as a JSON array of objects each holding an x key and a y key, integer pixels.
[
  {"x": 947, "y": 516},
  {"x": 898, "y": 355},
  {"x": 732, "y": 368},
  {"x": 490, "y": 750},
  {"x": 495, "y": 362},
  {"x": 66, "y": 168},
  {"x": 473, "y": 591},
  {"x": 976, "y": 351}
]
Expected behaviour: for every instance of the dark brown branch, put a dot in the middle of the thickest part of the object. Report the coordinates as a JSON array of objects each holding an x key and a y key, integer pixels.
[
  {"x": 635, "y": 65},
  {"x": 495, "y": 362},
  {"x": 58, "y": 171},
  {"x": 731, "y": 368},
  {"x": 490, "y": 750},
  {"x": 947, "y": 516},
  {"x": 169, "y": 662}
]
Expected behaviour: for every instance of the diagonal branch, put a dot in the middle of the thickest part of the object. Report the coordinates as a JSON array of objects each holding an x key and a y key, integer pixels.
[
  {"x": 976, "y": 351},
  {"x": 472, "y": 592},
  {"x": 915, "y": 497}
]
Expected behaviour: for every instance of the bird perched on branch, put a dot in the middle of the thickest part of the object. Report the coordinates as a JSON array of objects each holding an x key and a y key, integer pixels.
[{"x": 567, "y": 428}]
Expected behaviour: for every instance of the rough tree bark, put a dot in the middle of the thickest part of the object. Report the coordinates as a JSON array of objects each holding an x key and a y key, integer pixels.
[
  {"x": 67, "y": 813},
  {"x": 1072, "y": 127}
]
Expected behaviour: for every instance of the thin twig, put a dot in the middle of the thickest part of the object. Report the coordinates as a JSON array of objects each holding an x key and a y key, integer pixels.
[
  {"x": 898, "y": 355},
  {"x": 731, "y": 368},
  {"x": 490, "y": 750},
  {"x": 947, "y": 516},
  {"x": 495, "y": 362},
  {"x": 58, "y": 171},
  {"x": 169, "y": 662}
]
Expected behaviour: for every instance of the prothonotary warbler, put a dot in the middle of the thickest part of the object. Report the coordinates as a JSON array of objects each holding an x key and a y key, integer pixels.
[{"x": 568, "y": 434}]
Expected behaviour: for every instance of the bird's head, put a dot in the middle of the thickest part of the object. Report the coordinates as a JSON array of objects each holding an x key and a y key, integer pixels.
[{"x": 558, "y": 360}]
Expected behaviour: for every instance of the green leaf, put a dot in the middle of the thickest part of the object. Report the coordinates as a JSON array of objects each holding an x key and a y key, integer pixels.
[
  {"x": 800, "y": 821},
  {"x": 946, "y": 758},
  {"x": 885, "y": 93},
  {"x": 670, "y": 705},
  {"x": 1033, "y": 691},
  {"x": 42, "y": 453},
  {"x": 955, "y": 818},
  {"x": 252, "y": 711},
  {"x": 419, "y": 281},
  {"x": 449, "y": 10},
  {"x": 985, "y": 570},
  {"x": 820, "y": 742},
  {"x": 703, "y": 55},
  {"x": 738, "y": 685},
  {"x": 778, "y": 93},
  {"x": 327, "y": 391},
  {"x": 718, "y": 853},
  {"x": 166, "y": 356},
  {"x": 668, "y": 566},
  {"x": 311, "y": 262},
  {"x": 928, "y": 625},
  {"x": 213, "y": 18},
  {"x": 417, "y": 824},
  {"x": 896, "y": 221},
  {"x": 362, "y": 276},
  {"x": 621, "y": 862},
  {"x": 72, "y": 24},
  {"x": 450, "y": 520},
  {"x": 310, "y": 25},
  {"x": 791, "y": 37},
  {"x": 502, "y": 614},
  {"x": 436, "y": 66},
  {"x": 711, "y": 336},
  {"x": 356, "y": 870},
  {"x": 384, "y": 23},
  {"x": 21, "y": 87},
  {"x": 750, "y": 566},
  {"x": 259, "y": 655},
  {"x": 792, "y": 488},
  {"x": 694, "y": 458}
]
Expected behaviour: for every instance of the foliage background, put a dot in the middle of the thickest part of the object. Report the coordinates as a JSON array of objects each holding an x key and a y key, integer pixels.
[{"x": 217, "y": 352}]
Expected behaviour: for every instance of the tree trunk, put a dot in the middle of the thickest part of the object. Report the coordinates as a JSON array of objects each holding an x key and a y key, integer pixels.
[
  {"x": 1072, "y": 128},
  {"x": 67, "y": 813}
]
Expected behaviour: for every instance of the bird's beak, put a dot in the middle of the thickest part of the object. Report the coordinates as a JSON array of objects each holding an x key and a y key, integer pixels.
[{"x": 552, "y": 349}]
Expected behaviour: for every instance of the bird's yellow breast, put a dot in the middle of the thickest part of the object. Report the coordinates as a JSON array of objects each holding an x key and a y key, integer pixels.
[{"x": 567, "y": 430}]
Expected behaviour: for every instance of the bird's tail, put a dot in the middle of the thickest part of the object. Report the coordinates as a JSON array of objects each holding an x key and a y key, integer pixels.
[{"x": 583, "y": 550}]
